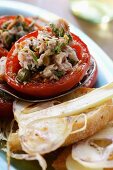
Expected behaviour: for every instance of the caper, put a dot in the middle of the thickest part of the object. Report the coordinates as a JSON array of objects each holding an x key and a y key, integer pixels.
[
  {"x": 73, "y": 62},
  {"x": 59, "y": 73},
  {"x": 23, "y": 75},
  {"x": 8, "y": 39}
]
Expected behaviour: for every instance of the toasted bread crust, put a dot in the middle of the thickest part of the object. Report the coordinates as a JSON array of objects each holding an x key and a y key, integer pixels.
[{"x": 96, "y": 120}]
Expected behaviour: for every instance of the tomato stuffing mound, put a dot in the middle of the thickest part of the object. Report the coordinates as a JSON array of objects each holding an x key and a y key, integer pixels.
[{"x": 47, "y": 62}]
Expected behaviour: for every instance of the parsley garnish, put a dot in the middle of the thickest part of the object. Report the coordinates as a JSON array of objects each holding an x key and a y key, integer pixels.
[
  {"x": 59, "y": 32},
  {"x": 58, "y": 48}
]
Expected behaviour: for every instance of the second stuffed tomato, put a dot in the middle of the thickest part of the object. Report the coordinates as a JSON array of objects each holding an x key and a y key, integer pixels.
[
  {"x": 47, "y": 62},
  {"x": 12, "y": 28}
]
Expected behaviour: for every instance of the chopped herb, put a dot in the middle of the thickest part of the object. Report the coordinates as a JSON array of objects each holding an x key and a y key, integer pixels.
[
  {"x": 59, "y": 47},
  {"x": 59, "y": 73},
  {"x": 58, "y": 31},
  {"x": 62, "y": 45},
  {"x": 54, "y": 29},
  {"x": 34, "y": 56},
  {"x": 70, "y": 37}
]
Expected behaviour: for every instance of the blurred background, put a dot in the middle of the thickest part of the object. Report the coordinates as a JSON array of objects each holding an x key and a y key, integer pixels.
[{"x": 94, "y": 17}]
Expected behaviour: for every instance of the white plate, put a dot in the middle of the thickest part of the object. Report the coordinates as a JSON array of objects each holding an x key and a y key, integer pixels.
[{"x": 105, "y": 64}]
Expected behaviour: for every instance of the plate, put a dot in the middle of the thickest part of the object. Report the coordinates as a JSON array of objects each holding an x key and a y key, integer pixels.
[{"x": 105, "y": 65}]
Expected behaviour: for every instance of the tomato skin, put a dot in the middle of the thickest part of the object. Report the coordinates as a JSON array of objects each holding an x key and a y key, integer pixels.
[
  {"x": 6, "y": 105},
  {"x": 6, "y": 108},
  {"x": 49, "y": 89},
  {"x": 3, "y": 52}
]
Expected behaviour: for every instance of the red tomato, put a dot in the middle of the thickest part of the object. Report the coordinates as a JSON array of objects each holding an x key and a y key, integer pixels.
[
  {"x": 49, "y": 88},
  {"x": 6, "y": 108},
  {"x": 3, "y": 51},
  {"x": 6, "y": 105}
]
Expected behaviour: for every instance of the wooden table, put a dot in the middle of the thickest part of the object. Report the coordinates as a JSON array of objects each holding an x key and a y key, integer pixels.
[{"x": 101, "y": 34}]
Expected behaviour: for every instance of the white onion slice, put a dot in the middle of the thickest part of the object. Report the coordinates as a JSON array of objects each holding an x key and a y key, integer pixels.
[
  {"x": 38, "y": 137},
  {"x": 45, "y": 135},
  {"x": 96, "y": 151},
  {"x": 20, "y": 108},
  {"x": 41, "y": 136},
  {"x": 74, "y": 165},
  {"x": 77, "y": 105},
  {"x": 85, "y": 123}
]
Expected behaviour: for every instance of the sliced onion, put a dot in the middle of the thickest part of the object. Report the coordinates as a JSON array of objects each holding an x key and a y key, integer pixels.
[
  {"x": 45, "y": 135},
  {"x": 96, "y": 151},
  {"x": 21, "y": 156},
  {"x": 41, "y": 136},
  {"x": 74, "y": 165},
  {"x": 84, "y": 126},
  {"x": 20, "y": 108},
  {"x": 78, "y": 105}
]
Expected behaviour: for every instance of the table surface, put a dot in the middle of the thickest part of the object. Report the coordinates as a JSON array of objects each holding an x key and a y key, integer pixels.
[{"x": 101, "y": 34}]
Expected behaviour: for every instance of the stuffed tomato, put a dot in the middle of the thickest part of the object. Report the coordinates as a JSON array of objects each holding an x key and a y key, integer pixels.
[
  {"x": 47, "y": 62},
  {"x": 11, "y": 29}
]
